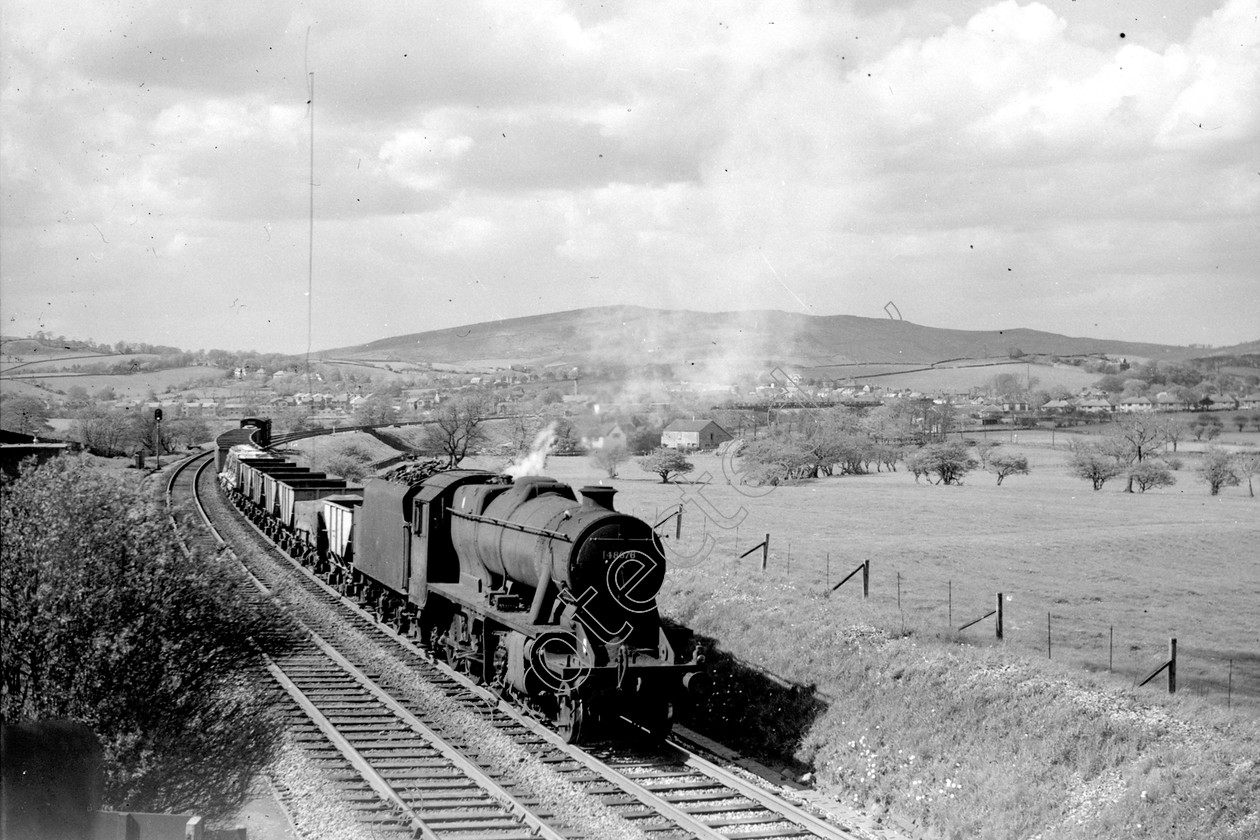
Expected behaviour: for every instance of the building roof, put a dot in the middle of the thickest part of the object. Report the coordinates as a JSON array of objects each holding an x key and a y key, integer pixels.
[
  {"x": 687, "y": 426},
  {"x": 690, "y": 425}
]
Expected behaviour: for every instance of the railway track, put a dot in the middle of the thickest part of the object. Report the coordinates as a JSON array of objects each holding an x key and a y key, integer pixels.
[{"x": 419, "y": 748}]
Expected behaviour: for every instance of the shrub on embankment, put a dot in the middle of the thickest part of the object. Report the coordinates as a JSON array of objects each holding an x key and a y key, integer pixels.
[
  {"x": 968, "y": 742},
  {"x": 107, "y": 621}
]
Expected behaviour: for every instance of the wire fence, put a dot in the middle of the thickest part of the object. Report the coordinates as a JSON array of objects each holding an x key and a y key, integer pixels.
[{"x": 1079, "y": 630}]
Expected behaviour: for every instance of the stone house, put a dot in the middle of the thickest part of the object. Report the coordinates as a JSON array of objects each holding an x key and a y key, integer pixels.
[{"x": 694, "y": 434}]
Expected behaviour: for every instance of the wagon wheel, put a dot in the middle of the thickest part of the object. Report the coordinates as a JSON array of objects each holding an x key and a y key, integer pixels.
[
  {"x": 659, "y": 723},
  {"x": 571, "y": 717}
]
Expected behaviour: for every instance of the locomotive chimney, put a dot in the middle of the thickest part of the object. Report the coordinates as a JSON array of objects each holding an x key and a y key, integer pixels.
[{"x": 599, "y": 496}]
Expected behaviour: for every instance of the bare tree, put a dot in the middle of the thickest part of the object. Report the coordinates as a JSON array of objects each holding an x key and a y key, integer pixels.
[
  {"x": 376, "y": 410},
  {"x": 610, "y": 456},
  {"x": 1136, "y": 440},
  {"x": 150, "y": 434},
  {"x": 458, "y": 427},
  {"x": 520, "y": 430},
  {"x": 103, "y": 432},
  {"x": 188, "y": 431},
  {"x": 1247, "y": 465},
  {"x": 1175, "y": 431}
]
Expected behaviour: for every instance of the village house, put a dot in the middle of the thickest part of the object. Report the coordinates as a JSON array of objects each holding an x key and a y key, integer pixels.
[
  {"x": 1095, "y": 405},
  {"x": 694, "y": 434},
  {"x": 608, "y": 434},
  {"x": 1135, "y": 405},
  {"x": 1165, "y": 401},
  {"x": 200, "y": 408}
]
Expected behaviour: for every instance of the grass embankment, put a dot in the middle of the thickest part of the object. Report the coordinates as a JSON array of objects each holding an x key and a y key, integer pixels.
[{"x": 964, "y": 741}]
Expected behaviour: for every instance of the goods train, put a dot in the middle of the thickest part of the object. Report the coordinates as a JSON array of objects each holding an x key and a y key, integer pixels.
[{"x": 548, "y": 598}]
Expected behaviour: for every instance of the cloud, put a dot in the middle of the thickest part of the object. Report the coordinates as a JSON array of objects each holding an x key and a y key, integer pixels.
[{"x": 498, "y": 156}]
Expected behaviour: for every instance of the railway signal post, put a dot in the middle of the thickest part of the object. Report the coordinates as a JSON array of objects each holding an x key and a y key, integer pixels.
[{"x": 157, "y": 436}]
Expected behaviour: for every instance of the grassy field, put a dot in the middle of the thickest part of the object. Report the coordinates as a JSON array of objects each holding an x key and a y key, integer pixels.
[
  {"x": 961, "y": 378},
  {"x": 195, "y": 381},
  {"x": 1117, "y": 573},
  {"x": 892, "y": 709}
]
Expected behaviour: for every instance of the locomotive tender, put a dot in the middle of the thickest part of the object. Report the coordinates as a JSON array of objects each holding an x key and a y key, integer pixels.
[{"x": 547, "y": 597}]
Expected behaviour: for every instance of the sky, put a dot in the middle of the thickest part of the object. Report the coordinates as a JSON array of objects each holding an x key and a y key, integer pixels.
[{"x": 1085, "y": 167}]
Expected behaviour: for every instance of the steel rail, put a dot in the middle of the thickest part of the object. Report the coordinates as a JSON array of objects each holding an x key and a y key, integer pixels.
[
  {"x": 509, "y": 802},
  {"x": 642, "y": 794},
  {"x": 639, "y": 792},
  {"x": 786, "y": 811},
  {"x": 361, "y": 765},
  {"x": 778, "y": 804}
]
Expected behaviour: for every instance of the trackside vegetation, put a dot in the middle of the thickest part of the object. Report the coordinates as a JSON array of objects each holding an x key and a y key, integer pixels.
[
  {"x": 969, "y": 742},
  {"x": 107, "y": 621}
]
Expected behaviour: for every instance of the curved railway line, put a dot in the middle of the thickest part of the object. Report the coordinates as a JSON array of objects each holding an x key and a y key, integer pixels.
[{"x": 418, "y": 750}]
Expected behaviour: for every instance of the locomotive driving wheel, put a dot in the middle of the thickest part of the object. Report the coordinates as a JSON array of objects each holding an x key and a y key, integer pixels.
[{"x": 571, "y": 718}]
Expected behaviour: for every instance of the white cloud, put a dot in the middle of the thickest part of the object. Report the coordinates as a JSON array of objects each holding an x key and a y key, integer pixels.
[{"x": 782, "y": 154}]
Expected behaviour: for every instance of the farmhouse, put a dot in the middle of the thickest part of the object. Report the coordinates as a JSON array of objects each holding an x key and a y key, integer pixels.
[
  {"x": 609, "y": 434},
  {"x": 694, "y": 434}
]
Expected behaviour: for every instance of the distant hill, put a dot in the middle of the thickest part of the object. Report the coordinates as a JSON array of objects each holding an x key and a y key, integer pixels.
[{"x": 752, "y": 340}]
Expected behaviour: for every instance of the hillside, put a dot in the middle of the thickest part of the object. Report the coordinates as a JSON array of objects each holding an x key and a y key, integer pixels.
[{"x": 640, "y": 336}]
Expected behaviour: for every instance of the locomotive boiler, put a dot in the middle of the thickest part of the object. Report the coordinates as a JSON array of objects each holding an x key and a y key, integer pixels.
[{"x": 548, "y": 598}]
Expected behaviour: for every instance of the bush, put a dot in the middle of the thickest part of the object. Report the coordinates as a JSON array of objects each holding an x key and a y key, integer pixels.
[
  {"x": 351, "y": 460},
  {"x": 1150, "y": 474},
  {"x": 1008, "y": 463},
  {"x": 948, "y": 461},
  {"x": 610, "y": 457},
  {"x": 108, "y": 622},
  {"x": 666, "y": 462},
  {"x": 1095, "y": 466},
  {"x": 1217, "y": 470}
]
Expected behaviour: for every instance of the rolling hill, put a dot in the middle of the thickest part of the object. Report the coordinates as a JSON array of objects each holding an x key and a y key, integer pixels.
[{"x": 636, "y": 336}]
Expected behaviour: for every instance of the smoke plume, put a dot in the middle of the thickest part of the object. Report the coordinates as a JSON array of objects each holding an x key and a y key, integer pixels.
[{"x": 534, "y": 461}]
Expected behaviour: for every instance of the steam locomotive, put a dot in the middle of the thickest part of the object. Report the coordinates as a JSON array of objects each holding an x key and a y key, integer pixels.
[{"x": 547, "y": 598}]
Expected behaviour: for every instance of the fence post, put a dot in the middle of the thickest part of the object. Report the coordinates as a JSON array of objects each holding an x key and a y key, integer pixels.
[
  {"x": 765, "y": 552},
  {"x": 1172, "y": 665},
  {"x": 866, "y": 578},
  {"x": 678, "y": 524},
  {"x": 999, "y": 615}
]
